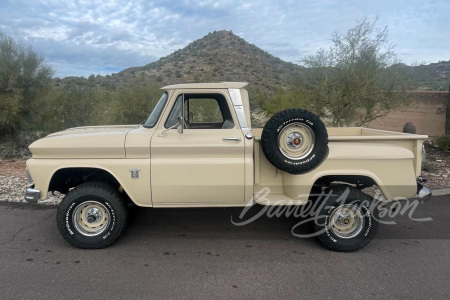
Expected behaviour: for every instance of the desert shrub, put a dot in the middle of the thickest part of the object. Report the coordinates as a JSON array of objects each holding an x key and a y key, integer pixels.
[
  {"x": 24, "y": 79},
  {"x": 132, "y": 103},
  {"x": 283, "y": 100},
  {"x": 12, "y": 147},
  {"x": 428, "y": 166},
  {"x": 442, "y": 142},
  {"x": 9, "y": 150}
]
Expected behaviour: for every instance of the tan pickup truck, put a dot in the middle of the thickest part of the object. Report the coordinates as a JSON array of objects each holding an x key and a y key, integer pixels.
[{"x": 198, "y": 149}]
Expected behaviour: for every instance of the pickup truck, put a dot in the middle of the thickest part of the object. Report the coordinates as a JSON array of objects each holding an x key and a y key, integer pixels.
[{"x": 198, "y": 149}]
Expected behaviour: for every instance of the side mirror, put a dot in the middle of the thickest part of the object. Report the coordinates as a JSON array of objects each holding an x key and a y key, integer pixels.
[{"x": 180, "y": 125}]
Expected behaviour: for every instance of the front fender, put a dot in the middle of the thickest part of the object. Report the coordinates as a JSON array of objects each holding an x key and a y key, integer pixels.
[{"x": 138, "y": 189}]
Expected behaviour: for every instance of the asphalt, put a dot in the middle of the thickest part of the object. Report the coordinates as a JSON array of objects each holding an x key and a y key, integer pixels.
[{"x": 200, "y": 254}]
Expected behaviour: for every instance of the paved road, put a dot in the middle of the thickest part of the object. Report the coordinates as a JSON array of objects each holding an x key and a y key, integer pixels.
[{"x": 198, "y": 253}]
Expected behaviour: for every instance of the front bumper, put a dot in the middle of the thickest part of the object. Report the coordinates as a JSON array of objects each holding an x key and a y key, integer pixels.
[{"x": 32, "y": 195}]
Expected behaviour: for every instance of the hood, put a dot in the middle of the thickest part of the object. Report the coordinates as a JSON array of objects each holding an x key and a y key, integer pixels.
[{"x": 83, "y": 142}]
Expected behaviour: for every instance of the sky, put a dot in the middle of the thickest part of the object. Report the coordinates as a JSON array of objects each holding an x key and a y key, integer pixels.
[{"x": 80, "y": 38}]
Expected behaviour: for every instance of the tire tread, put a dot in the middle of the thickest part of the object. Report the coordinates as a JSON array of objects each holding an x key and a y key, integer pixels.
[
  {"x": 353, "y": 194},
  {"x": 271, "y": 127},
  {"x": 89, "y": 188}
]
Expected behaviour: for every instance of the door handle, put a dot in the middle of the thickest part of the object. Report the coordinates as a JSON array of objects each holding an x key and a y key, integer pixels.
[{"x": 234, "y": 139}]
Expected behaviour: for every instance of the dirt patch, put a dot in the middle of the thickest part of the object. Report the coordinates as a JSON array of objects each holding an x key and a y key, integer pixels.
[{"x": 13, "y": 168}]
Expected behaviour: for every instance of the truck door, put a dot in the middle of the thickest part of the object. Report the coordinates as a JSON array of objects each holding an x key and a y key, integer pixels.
[{"x": 204, "y": 165}]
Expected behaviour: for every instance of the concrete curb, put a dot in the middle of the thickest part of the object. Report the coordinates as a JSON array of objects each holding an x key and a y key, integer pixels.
[{"x": 440, "y": 192}]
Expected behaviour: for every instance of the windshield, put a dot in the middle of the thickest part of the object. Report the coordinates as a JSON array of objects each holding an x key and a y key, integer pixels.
[{"x": 156, "y": 113}]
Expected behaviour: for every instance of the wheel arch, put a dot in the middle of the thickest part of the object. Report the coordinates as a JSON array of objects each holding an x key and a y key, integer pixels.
[
  {"x": 358, "y": 181},
  {"x": 66, "y": 178}
]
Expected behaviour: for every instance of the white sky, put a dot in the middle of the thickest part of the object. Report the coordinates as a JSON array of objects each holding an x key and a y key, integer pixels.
[{"x": 101, "y": 37}]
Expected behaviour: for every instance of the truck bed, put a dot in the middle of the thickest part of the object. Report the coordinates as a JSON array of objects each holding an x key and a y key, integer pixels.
[
  {"x": 359, "y": 133},
  {"x": 365, "y": 151},
  {"x": 411, "y": 142}
]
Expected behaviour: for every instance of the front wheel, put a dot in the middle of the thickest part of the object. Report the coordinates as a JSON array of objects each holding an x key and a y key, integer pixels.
[
  {"x": 347, "y": 220},
  {"x": 93, "y": 215}
]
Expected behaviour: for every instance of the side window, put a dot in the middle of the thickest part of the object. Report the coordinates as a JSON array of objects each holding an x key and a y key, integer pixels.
[{"x": 202, "y": 111}]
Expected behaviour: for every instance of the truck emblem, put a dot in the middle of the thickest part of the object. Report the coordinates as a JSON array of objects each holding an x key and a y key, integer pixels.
[{"x": 135, "y": 173}]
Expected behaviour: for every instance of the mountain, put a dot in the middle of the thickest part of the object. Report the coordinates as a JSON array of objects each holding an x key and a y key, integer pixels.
[
  {"x": 219, "y": 56},
  {"x": 431, "y": 77},
  {"x": 223, "y": 56}
]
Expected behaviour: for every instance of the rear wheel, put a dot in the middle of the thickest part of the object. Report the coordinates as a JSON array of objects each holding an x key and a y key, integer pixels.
[
  {"x": 347, "y": 221},
  {"x": 93, "y": 215}
]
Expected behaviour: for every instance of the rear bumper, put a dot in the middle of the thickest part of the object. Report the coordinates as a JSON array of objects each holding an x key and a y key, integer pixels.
[
  {"x": 423, "y": 191},
  {"x": 32, "y": 195}
]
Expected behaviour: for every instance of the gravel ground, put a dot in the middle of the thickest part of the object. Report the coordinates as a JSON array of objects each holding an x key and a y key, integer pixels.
[
  {"x": 437, "y": 167},
  {"x": 13, "y": 180},
  {"x": 12, "y": 188}
]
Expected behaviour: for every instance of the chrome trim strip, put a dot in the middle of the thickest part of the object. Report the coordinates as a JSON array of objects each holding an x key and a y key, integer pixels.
[
  {"x": 235, "y": 95},
  {"x": 236, "y": 99},
  {"x": 240, "y": 113},
  {"x": 234, "y": 139}
]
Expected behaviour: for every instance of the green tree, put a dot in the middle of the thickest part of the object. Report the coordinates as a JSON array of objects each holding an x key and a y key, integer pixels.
[
  {"x": 357, "y": 79},
  {"x": 24, "y": 78}
]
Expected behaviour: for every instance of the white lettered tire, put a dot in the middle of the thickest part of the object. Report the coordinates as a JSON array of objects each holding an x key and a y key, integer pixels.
[
  {"x": 347, "y": 221},
  {"x": 295, "y": 140},
  {"x": 92, "y": 215}
]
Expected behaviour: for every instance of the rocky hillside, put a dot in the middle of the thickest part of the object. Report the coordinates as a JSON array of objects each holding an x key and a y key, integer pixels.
[
  {"x": 223, "y": 56},
  {"x": 431, "y": 77},
  {"x": 219, "y": 56}
]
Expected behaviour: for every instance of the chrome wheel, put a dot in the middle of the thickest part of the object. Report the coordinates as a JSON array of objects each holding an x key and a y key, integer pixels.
[
  {"x": 91, "y": 218},
  {"x": 347, "y": 221},
  {"x": 296, "y": 141}
]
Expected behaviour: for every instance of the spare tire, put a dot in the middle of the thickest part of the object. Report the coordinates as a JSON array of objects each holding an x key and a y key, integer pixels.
[{"x": 295, "y": 140}]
